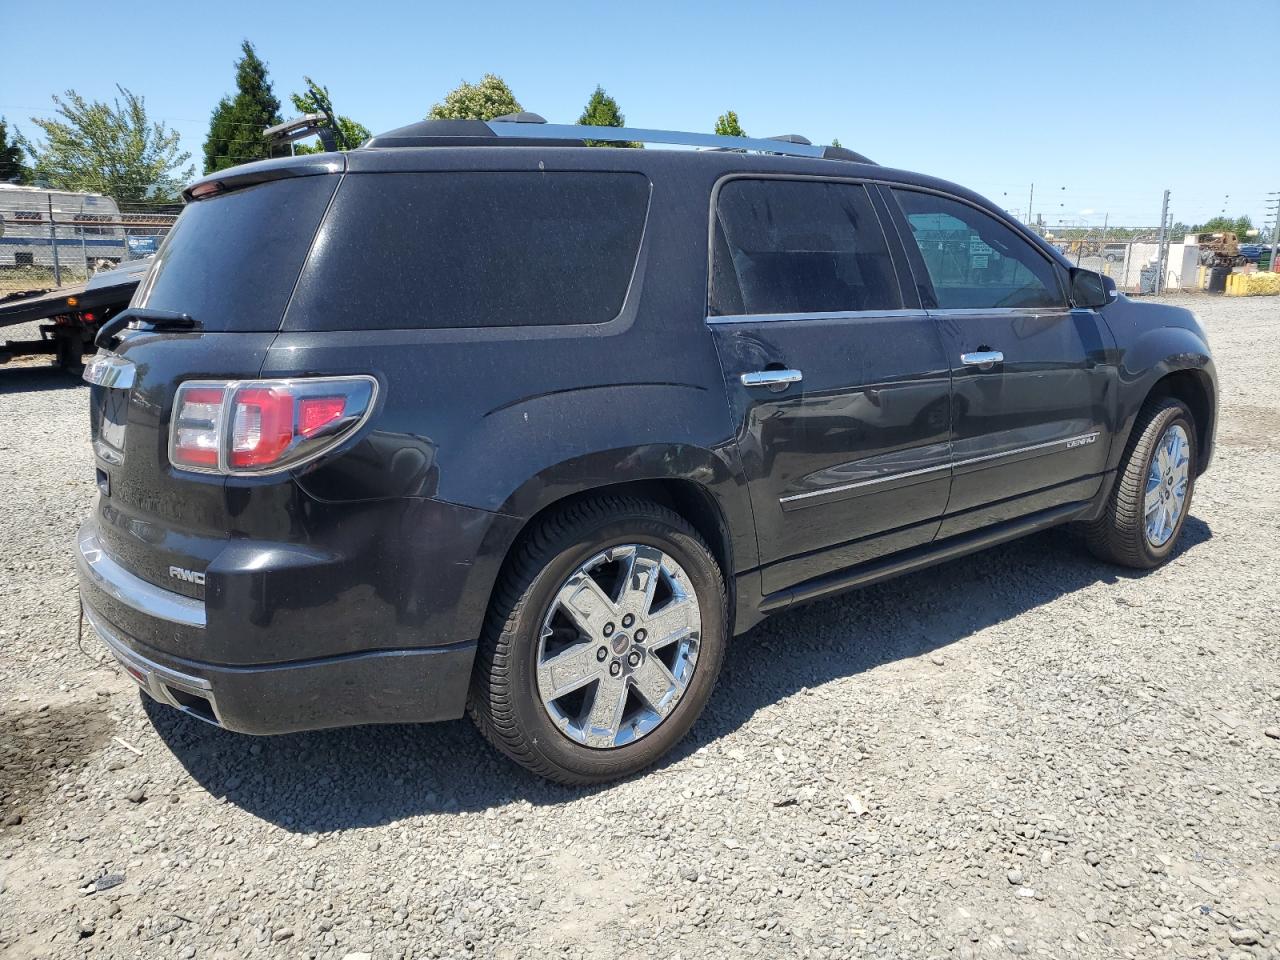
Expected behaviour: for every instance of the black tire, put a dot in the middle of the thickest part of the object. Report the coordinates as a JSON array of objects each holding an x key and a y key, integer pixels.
[
  {"x": 504, "y": 700},
  {"x": 70, "y": 352},
  {"x": 1119, "y": 535}
]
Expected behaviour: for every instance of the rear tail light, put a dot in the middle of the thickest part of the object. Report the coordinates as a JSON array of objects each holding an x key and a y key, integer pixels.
[{"x": 264, "y": 426}]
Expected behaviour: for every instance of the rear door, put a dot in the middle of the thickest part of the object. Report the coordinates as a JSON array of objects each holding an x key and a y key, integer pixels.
[
  {"x": 839, "y": 387},
  {"x": 1031, "y": 382}
]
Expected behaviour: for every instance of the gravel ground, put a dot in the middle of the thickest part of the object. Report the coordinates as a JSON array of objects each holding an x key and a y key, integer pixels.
[{"x": 1020, "y": 753}]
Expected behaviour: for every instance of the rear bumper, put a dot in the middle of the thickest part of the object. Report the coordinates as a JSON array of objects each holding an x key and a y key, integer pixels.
[{"x": 384, "y": 686}]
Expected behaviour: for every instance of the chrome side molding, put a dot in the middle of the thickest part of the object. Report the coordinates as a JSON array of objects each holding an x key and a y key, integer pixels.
[{"x": 1070, "y": 443}]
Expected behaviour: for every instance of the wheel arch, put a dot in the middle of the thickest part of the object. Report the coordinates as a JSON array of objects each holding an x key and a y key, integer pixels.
[
  {"x": 1194, "y": 388},
  {"x": 708, "y": 513}
]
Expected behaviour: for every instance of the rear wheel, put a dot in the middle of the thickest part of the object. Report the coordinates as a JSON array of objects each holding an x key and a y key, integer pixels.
[
  {"x": 603, "y": 643},
  {"x": 1152, "y": 495}
]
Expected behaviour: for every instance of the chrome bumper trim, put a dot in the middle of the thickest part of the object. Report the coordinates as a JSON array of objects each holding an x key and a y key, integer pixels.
[
  {"x": 156, "y": 680},
  {"x": 133, "y": 591}
]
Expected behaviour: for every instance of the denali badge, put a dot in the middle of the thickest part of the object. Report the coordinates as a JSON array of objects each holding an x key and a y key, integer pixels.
[
  {"x": 191, "y": 576},
  {"x": 1081, "y": 441}
]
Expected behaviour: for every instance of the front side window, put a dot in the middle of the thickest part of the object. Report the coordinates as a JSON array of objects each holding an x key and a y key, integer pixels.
[
  {"x": 799, "y": 246},
  {"x": 973, "y": 260}
]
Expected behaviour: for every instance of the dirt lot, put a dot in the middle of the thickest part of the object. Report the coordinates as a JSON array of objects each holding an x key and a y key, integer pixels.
[{"x": 1020, "y": 753}]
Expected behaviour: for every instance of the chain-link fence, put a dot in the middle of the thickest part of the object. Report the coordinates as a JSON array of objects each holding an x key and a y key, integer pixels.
[
  {"x": 52, "y": 238},
  {"x": 1135, "y": 264}
]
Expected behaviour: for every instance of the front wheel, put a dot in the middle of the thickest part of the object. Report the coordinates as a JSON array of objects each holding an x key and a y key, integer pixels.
[
  {"x": 603, "y": 643},
  {"x": 1152, "y": 495}
]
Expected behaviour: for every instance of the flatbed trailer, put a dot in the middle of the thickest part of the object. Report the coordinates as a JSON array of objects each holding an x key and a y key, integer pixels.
[{"x": 73, "y": 314}]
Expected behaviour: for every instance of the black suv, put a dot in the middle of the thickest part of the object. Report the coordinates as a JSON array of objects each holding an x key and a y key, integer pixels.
[{"x": 478, "y": 418}]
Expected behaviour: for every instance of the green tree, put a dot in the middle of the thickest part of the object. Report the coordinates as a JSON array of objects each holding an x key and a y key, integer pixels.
[
  {"x": 12, "y": 169},
  {"x": 727, "y": 125},
  {"x": 235, "y": 128},
  {"x": 489, "y": 98},
  {"x": 602, "y": 111},
  {"x": 346, "y": 132},
  {"x": 835, "y": 142},
  {"x": 1240, "y": 226},
  {"x": 110, "y": 148}
]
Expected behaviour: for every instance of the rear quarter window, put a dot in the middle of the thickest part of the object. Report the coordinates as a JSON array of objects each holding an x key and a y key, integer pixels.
[{"x": 473, "y": 249}]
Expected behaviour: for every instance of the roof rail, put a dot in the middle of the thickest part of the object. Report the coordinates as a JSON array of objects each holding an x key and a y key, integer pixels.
[
  {"x": 790, "y": 145},
  {"x": 532, "y": 130}
]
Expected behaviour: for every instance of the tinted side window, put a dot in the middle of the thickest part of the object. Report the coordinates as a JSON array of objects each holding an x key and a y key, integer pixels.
[
  {"x": 799, "y": 246},
  {"x": 452, "y": 249},
  {"x": 974, "y": 260}
]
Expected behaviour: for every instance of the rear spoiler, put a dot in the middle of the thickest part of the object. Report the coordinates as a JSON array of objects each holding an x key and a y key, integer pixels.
[{"x": 262, "y": 171}]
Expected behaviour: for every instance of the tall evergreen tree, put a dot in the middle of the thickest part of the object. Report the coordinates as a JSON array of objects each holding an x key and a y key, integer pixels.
[
  {"x": 727, "y": 125},
  {"x": 12, "y": 169},
  {"x": 235, "y": 129},
  {"x": 602, "y": 111}
]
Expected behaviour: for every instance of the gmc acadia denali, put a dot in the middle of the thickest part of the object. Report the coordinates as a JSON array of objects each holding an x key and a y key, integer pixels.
[{"x": 480, "y": 419}]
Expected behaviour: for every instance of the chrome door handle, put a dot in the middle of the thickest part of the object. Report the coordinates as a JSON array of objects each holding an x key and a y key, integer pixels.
[
  {"x": 983, "y": 360},
  {"x": 771, "y": 378}
]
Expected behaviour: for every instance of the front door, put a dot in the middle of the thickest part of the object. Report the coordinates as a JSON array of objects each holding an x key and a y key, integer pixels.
[
  {"x": 1032, "y": 386},
  {"x": 839, "y": 394}
]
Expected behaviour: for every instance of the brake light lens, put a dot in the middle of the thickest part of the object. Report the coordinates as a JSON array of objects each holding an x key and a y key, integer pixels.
[
  {"x": 261, "y": 425},
  {"x": 316, "y": 413},
  {"x": 265, "y": 426}
]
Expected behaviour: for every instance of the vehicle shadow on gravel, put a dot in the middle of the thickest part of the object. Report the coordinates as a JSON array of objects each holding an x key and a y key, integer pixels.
[
  {"x": 36, "y": 380},
  {"x": 367, "y": 776}
]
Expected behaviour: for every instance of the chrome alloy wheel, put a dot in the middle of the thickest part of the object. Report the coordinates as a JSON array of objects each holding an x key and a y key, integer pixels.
[
  {"x": 618, "y": 646},
  {"x": 1167, "y": 485}
]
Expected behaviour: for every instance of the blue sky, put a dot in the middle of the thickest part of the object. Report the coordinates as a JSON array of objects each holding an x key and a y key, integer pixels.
[{"x": 1101, "y": 105}]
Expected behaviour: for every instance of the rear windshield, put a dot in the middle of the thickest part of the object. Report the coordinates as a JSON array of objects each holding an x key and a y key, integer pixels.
[
  {"x": 476, "y": 249},
  {"x": 231, "y": 261}
]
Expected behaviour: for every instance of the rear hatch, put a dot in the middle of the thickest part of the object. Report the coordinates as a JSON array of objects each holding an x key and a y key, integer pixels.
[{"x": 230, "y": 263}]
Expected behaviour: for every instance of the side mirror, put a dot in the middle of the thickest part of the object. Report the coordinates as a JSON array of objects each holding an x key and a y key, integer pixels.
[{"x": 1089, "y": 289}]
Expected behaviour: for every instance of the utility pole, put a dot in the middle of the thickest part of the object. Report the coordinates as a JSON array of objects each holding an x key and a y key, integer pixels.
[
  {"x": 1275, "y": 228},
  {"x": 53, "y": 241},
  {"x": 1030, "y": 201},
  {"x": 1162, "y": 239}
]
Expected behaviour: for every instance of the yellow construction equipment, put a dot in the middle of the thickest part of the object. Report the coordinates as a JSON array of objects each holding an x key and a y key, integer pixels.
[{"x": 1220, "y": 250}]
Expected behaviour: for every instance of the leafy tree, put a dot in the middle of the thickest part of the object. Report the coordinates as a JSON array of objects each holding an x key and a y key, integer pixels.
[
  {"x": 110, "y": 148},
  {"x": 235, "y": 128},
  {"x": 12, "y": 169},
  {"x": 346, "y": 131},
  {"x": 602, "y": 111},
  {"x": 835, "y": 142},
  {"x": 1240, "y": 226},
  {"x": 489, "y": 98},
  {"x": 727, "y": 125}
]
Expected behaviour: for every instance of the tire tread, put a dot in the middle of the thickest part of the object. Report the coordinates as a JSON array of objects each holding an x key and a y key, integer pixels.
[{"x": 1118, "y": 535}]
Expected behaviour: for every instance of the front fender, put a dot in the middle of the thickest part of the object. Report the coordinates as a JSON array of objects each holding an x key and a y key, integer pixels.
[{"x": 1154, "y": 341}]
